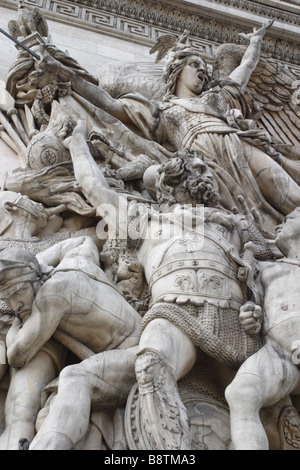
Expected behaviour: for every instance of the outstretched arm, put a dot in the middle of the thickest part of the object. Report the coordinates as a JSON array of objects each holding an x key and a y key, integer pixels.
[
  {"x": 72, "y": 247},
  {"x": 95, "y": 94},
  {"x": 250, "y": 59}
]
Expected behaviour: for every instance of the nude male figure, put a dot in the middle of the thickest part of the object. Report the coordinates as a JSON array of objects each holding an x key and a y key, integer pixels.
[
  {"x": 72, "y": 297},
  {"x": 271, "y": 374},
  {"x": 21, "y": 217}
]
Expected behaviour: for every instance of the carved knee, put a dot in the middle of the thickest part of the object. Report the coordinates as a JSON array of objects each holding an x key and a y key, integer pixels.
[
  {"x": 242, "y": 390},
  {"x": 71, "y": 373},
  {"x": 232, "y": 394}
]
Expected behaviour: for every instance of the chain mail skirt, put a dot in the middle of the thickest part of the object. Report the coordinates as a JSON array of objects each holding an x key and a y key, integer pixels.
[{"x": 215, "y": 331}]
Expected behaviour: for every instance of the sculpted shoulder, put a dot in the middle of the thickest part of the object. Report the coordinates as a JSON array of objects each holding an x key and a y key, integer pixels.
[
  {"x": 55, "y": 289},
  {"x": 277, "y": 271}
]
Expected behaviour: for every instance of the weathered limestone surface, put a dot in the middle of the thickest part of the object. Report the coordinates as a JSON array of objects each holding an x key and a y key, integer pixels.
[{"x": 149, "y": 225}]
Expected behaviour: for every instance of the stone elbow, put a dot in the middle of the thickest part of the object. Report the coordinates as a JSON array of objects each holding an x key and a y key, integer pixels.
[{"x": 15, "y": 360}]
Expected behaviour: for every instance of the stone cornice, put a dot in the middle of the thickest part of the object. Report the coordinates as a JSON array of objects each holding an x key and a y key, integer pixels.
[
  {"x": 280, "y": 11},
  {"x": 142, "y": 21}
]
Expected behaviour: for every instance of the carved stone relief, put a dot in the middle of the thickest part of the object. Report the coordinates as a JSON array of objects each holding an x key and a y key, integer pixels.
[{"x": 149, "y": 243}]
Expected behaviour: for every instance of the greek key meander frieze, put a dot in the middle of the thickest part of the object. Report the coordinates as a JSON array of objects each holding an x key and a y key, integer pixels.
[
  {"x": 136, "y": 8},
  {"x": 145, "y": 21}
]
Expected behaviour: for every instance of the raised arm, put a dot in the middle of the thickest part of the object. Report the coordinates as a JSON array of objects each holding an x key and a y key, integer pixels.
[
  {"x": 110, "y": 205},
  {"x": 243, "y": 72},
  {"x": 87, "y": 173}
]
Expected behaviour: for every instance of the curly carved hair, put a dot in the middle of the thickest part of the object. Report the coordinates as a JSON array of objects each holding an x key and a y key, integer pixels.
[{"x": 178, "y": 175}]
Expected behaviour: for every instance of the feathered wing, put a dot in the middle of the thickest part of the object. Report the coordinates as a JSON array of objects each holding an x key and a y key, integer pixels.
[
  {"x": 40, "y": 23},
  {"x": 274, "y": 88},
  {"x": 162, "y": 45}
]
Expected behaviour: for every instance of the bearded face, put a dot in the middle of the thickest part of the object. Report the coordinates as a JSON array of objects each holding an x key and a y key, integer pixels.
[
  {"x": 186, "y": 179},
  {"x": 197, "y": 184}
]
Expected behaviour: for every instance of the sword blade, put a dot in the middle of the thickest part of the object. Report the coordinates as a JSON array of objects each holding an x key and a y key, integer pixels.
[{"x": 36, "y": 56}]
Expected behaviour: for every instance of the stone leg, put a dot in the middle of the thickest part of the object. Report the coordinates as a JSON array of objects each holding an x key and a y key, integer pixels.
[
  {"x": 269, "y": 176},
  {"x": 165, "y": 355},
  {"x": 263, "y": 380},
  {"x": 104, "y": 379},
  {"x": 23, "y": 399}
]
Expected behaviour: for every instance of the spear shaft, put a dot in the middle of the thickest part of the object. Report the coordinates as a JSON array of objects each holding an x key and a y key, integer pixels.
[{"x": 36, "y": 56}]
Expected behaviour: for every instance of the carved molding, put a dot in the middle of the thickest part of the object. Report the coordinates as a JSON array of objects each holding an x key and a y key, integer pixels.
[
  {"x": 143, "y": 21},
  {"x": 138, "y": 8}
]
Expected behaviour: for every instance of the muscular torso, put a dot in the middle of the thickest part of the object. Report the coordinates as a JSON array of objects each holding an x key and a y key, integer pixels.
[
  {"x": 91, "y": 310},
  {"x": 282, "y": 303}
]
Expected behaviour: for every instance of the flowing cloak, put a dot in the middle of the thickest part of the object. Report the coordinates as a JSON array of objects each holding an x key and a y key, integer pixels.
[{"x": 219, "y": 123}]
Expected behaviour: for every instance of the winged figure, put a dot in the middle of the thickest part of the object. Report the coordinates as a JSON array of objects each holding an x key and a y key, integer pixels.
[
  {"x": 245, "y": 120},
  {"x": 274, "y": 88},
  {"x": 271, "y": 93},
  {"x": 257, "y": 119},
  {"x": 272, "y": 84}
]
